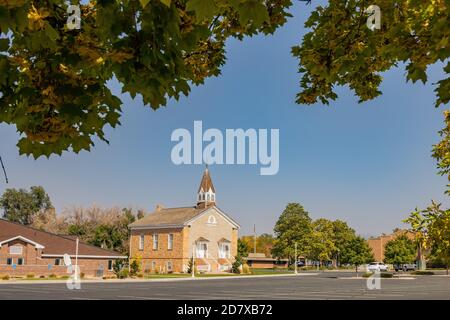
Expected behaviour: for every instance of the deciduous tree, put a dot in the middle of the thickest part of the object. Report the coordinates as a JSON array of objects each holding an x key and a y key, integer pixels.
[
  {"x": 357, "y": 252},
  {"x": 293, "y": 226},
  {"x": 22, "y": 206},
  {"x": 400, "y": 250}
]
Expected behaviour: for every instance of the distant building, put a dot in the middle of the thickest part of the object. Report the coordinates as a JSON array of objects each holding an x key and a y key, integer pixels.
[
  {"x": 259, "y": 260},
  {"x": 167, "y": 239},
  {"x": 25, "y": 250},
  {"x": 379, "y": 243}
]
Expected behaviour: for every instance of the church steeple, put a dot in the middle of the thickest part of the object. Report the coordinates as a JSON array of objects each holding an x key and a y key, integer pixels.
[{"x": 206, "y": 194}]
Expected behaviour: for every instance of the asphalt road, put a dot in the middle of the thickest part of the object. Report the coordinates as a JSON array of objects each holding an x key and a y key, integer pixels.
[{"x": 318, "y": 286}]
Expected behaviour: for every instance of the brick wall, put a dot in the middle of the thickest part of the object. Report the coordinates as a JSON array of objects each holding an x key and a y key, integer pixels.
[
  {"x": 157, "y": 260},
  {"x": 87, "y": 266},
  {"x": 35, "y": 264}
]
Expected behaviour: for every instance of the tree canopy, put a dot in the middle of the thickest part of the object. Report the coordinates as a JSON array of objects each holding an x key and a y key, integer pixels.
[
  {"x": 432, "y": 228},
  {"x": 400, "y": 251},
  {"x": 293, "y": 226},
  {"x": 23, "y": 206},
  {"x": 53, "y": 80},
  {"x": 357, "y": 252}
]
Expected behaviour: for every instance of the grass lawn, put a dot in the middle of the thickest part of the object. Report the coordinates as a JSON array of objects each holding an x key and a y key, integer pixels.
[{"x": 257, "y": 271}]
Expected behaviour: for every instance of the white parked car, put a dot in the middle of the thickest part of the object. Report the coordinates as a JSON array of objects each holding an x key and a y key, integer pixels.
[{"x": 377, "y": 266}]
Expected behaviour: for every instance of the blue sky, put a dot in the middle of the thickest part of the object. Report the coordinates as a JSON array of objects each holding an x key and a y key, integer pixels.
[{"x": 368, "y": 164}]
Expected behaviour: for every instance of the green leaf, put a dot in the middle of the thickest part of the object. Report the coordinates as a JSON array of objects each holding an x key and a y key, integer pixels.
[
  {"x": 51, "y": 33},
  {"x": 253, "y": 11},
  {"x": 166, "y": 2},
  {"x": 144, "y": 3},
  {"x": 4, "y": 44},
  {"x": 204, "y": 9}
]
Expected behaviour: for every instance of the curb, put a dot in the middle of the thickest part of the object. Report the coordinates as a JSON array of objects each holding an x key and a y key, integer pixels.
[{"x": 14, "y": 282}]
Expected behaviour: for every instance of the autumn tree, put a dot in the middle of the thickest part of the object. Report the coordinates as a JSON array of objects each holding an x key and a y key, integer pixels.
[
  {"x": 321, "y": 246},
  {"x": 22, "y": 205},
  {"x": 53, "y": 80},
  {"x": 432, "y": 230},
  {"x": 264, "y": 243}
]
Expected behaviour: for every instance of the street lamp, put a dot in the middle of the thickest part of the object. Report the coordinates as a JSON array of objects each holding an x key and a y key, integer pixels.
[
  {"x": 193, "y": 261},
  {"x": 295, "y": 267}
]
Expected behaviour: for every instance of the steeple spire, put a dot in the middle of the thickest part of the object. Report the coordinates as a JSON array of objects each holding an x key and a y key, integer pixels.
[{"x": 206, "y": 194}]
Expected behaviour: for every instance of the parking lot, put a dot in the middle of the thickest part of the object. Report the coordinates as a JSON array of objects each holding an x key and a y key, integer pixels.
[{"x": 326, "y": 285}]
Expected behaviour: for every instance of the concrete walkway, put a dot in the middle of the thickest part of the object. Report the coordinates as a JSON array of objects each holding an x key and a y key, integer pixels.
[{"x": 168, "y": 279}]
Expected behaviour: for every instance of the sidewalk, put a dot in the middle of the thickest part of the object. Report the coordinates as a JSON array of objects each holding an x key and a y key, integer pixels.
[{"x": 174, "y": 279}]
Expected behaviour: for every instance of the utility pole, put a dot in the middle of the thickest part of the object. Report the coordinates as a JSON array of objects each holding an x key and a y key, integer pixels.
[
  {"x": 76, "y": 259},
  {"x": 254, "y": 238}
]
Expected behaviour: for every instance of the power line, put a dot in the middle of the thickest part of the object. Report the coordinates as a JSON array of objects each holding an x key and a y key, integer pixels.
[{"x": 4, "y": 171}]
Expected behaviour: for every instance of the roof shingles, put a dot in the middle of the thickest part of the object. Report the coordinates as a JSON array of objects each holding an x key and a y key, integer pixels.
[
  {"x": 168, "y": 217},
  {"x": 53, "y": 244}
]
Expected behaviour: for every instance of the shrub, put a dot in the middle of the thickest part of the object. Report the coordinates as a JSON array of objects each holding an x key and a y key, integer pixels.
[
  {"x": 124, "y": 273},
  {"x": 30, "y": 275},
  {"x": 423, "y": 273},
  {"x": 6, "y": 277},
  {"x": 140, "y": 275},
  {"x": 41, "y": 276},
  {"x": 82, "y": 275},
  {"x": 134, "y": 268},
  {"x": 382, "y": 275},
  {"x": 64, "y": 277},
  {"x": 236, "y": 267},
  {"x": 246, "y": 269},
  {"x": 52, "y": 276}
]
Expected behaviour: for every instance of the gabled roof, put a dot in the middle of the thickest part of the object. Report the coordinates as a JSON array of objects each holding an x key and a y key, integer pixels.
[
  {"x": 53, "y": 245},
  {"x": 206, "y": 182},
  {"x": 176, "y": 217},
  {"x": 37, "y": 245},
  {"x": 167, "y": 217}
]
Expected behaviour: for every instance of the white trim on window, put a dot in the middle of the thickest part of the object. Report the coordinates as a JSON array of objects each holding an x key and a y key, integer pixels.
[
  {"x": 170, "y": 241},
  {"x": 16, "y": 249},
  {"x": 141, "y": 242},
  {"x": 155, "y": 241}
]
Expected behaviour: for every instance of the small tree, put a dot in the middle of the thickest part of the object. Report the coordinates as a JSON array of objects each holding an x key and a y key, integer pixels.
[
  {"x": 357, "y": 252},
  {"x": 400, "y": 250},
  {"x": 243, "y": 248},
  {"x": 118, "y": 267},
  {"x": 134, "y": 268},
  {"x": 235, "y": 267}
]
